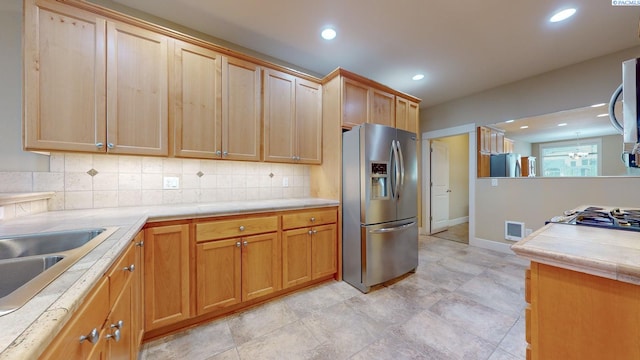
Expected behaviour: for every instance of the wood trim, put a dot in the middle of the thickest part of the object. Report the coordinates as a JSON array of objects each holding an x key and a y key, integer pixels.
[
  {"x": 116, "y": 15},
  {"x": 366, "y": 81}
]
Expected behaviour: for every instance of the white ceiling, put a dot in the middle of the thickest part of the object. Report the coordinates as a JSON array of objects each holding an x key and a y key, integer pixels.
[{"x": 462, "y": 47}]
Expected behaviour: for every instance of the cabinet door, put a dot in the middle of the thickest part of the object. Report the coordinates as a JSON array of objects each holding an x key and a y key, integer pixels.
[
  {"x": 137, "y": 292},
  {"x": 91, "y": 316},
  {"x": 218, "y": 274},
  {"x": 402, "y": 110},
  {"x": 308, "y": 122},
  {"x": 241, "y": 110},
  {"x": 119, "y": 327},
  {"x": 166, "y": 275},
  {"x": 64, "y": 69},
  {"x": 382, "y": 108},
  {"x": 296, "y": 257},
  {"x": 279, "y": 116},
  {"x": 355, "y": 103},
  {"x": 413, "y": 118},
  {"x": 324, "y": 251},
  {"x": 137, "y": 90},
  {"x": 196, "y": 93},
  {"x": 261, "y": 274}
]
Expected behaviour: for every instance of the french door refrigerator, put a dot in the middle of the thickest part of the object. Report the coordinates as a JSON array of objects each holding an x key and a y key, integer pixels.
[{"x": 379, "y": 205}]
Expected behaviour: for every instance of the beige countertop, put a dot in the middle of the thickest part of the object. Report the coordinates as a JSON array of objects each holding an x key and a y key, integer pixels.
[
  {"x": 28, "y": 330},
  {"x": 613, "y": 254}
]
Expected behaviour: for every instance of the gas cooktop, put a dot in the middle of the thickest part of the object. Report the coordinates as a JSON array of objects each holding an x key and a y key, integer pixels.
[{"x": 611, "y": 218}]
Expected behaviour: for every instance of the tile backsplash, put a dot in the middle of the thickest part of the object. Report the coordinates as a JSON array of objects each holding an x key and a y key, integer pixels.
[{"x": 85, "y": 181}]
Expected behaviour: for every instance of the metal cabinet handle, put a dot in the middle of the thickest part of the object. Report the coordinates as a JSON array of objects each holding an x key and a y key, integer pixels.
[
  {"x": 130, "y": 268},
  {"x": 115, "y": 336},
  {"x": 92, "y": 336},
  {"x": 99, "y": 145},
  {"x": 312, "y": 219},
  {"x": 241, "y": 228},
  {"x": 218, "y": 152},
  {"x": 310, "y": 232},
  {"x": 110, "y": 145},
  {"x": 117, "y": 325},
  {"x": 140, "y": 244},
  {"x": 238, "y": 244},
  {"x": 225, "y": 153},
  {"x": 245, "y": 243},
  {"x": 315, "y": 231}
]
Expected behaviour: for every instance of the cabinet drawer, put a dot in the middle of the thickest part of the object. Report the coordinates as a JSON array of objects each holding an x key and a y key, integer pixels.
[
  {"x": 120, "y": 273},
  {"x": 233, "y": 228},
  {"x": 309, "y": 218}
]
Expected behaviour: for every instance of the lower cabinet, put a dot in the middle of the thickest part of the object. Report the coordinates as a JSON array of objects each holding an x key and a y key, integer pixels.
[
  {"x": 239, "y": 268},
  {"x": 309, "y": 252},
  {"x": 166, "y": 275}
]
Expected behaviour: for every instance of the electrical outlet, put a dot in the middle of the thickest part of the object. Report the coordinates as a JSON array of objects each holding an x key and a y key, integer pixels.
[
  {"x": 494, "y": 182},
  {"x": 527, "y": 232},
  {"x": 171, "y": 183},
  {"x": 285, "y": 182}
]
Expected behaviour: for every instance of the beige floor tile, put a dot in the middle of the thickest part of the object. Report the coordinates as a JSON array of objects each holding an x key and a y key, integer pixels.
[
  {"x": 393, "y": 347},
  {"x": 258, "y": 321},
  {"x": 305, "y": 302},
  {"x": 293, "y": 341},
  {"x": 500, "y": 354},
  {"x": 514, "y": 342}
]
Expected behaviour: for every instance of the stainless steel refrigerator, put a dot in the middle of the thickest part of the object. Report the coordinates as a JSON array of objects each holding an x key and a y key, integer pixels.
[
  {"x": 505, "y": 165},
  {"x": 379, "y": 205}
]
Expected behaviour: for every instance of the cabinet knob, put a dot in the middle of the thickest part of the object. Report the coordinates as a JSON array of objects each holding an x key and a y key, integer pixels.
[
  {"x": 130, "y": 268},
  {"x": 315, "y": 231},
  {"x": 140, "y": 244},
  {"x": 241, "y": 228},
  {"x": 92, "y": 337},
  {"x": 225, "y": 153},
  {"x": 115, "y": 336},
  {"x": 245, "y": 243},
  {"x": 218, "y": 152},
  {"x": 110, "y": 145},
  {"x": 117, "y": 325},
  {"x": 238, "y": 244},
  {"x": 312, "y": 219},
  {"x": 310, "y": 232},
  {"x": 99, "y": 145}
]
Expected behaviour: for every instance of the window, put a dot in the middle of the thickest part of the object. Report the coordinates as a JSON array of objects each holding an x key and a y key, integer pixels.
[{"x": 571, "y": 158}]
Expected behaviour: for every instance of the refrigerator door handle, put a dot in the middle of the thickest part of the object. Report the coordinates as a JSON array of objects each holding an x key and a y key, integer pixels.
[
  {"x": 401, "y": 162},
  {"x": 396, "y": 170},
  {"x": 392, "y": 229}
]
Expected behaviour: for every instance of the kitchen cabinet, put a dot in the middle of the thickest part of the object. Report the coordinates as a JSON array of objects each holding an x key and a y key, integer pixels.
[
  {"x": 103, "y": 327},
  {"x": 407, "y": 117},
  {"x": 508, "y": 145},
  {"x": 574, "y": 315},
  {"x": 528, "y": 166},
  {"x": 137, "y": 296},
  {"x": 292, "y": 119},
  {"x": 166, "y": 275},
  {"x": 309, "y": 245},
  {"x": 363, "y": 103},
  {"x": 237, "y": 260},
  {"x": 215, "y": 106},
  {"x": 91, "y": 84},
  {"x": 489, "y": 141}
]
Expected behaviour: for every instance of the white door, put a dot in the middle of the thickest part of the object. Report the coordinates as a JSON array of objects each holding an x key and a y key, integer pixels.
[{"x": 439, "y": 187}]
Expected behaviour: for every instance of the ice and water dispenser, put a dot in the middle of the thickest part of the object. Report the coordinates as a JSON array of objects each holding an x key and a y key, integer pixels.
[{"x": 379, "y": 180}]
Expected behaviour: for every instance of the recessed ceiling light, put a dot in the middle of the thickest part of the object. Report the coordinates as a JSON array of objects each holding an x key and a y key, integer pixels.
[
  {"x": 509, "y": 121},
  {"x": 603, "y": 115},
  {"x": 598, "y": 105},
  {"x": 562, "y": 124},
  {"x": 562, "y": 15},
  {"x": 418, "y": 77},
  {"x": 328, "y": 34},
  {"x": 524, "y": 127}
]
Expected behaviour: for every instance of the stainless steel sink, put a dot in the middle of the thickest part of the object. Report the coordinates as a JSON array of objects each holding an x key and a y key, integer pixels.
[{"x": 30, "y": 262}]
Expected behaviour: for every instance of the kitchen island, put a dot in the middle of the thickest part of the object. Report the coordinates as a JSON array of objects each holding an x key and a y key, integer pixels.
[
  {"x": 583, "y": 292},
  {"x": 28, "y": 330}
]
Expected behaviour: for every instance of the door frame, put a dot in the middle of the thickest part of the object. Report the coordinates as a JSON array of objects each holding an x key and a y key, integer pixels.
[{"x": 427, "y": 137}]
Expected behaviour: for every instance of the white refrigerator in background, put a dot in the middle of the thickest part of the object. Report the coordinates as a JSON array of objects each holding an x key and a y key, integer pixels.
[{"x": 379, "y": 205}]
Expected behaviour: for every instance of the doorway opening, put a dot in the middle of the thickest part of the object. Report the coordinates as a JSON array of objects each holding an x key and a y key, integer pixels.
[{"x": 451, "y": 215}]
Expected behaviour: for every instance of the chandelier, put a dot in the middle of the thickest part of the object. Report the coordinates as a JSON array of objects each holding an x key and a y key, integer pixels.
[{"x": 577, "y": 154}]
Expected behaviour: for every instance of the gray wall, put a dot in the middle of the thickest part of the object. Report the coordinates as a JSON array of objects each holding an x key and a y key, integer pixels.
[{"x": 12, "y": 157}]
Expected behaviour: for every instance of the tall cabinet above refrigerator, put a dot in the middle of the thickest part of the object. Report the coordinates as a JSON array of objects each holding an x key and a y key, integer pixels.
[{"x": 379, "y": 200}]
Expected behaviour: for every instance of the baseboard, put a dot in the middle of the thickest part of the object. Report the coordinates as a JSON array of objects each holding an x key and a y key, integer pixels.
[
  {"x": 492, "y": 245},
  {"x": 458, "y": 221}
]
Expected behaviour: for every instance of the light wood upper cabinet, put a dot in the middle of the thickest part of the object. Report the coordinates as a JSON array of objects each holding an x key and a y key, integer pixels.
[
  {"x": 365, "y": 104},
  {"x": 196, "y": 93},
  {"x": 292, "y": 119},
  {"x": 64, "y": 84},
  {"x": 382, "y": 108},
  {"x": 166, "y": 275},
  {"x": 137, "y": 90},
  {"x": 240, "y": 110},
  {"x": 216, "y": 105},
  {"x": 407, "y": 115}
]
